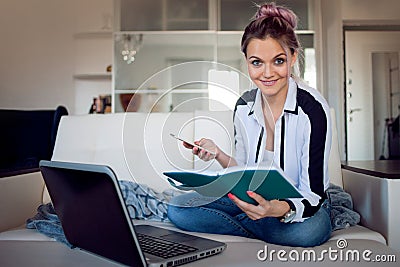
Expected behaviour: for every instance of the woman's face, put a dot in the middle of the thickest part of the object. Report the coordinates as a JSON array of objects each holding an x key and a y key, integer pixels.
[{"x": 268, "y": 66}]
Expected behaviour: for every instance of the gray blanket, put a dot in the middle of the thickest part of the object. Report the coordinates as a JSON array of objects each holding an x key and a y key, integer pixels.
[
  {"x": 46, "y": 222},
  {"x": 342, "y": 213}
]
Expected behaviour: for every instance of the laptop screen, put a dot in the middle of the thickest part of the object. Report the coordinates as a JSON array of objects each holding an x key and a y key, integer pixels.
[{"x": 89, "y": 208}]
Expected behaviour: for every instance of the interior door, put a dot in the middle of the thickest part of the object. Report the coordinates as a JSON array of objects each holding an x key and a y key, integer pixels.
[{"x": 359, "y": 47}]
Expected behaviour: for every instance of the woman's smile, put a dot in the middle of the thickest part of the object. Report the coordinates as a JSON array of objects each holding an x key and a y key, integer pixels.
[
  {"x": 268, "y": 66},
  {"x": 269, "y": 83}
]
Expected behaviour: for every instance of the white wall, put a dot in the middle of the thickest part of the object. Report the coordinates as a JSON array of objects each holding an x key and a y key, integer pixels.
[
  {"x": 370, "y": 10},
  {"x": 40, "y": 54},
  {"x": 37, "y": 54}
]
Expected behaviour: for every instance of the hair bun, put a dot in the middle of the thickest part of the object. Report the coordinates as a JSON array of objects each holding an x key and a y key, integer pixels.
[{"x": 272, "y": 10}]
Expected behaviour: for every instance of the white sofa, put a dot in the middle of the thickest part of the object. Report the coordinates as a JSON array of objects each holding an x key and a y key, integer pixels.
[{"x": 138, "y": 147}]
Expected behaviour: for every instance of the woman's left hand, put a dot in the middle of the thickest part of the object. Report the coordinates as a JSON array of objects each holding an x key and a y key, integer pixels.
[{"x": 265, "y": 208}]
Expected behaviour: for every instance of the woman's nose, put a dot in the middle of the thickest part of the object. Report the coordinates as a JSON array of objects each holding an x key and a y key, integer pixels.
[{"x": 267, "y": 72}]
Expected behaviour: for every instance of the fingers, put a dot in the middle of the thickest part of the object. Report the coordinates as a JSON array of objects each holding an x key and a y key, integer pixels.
[
  {"x": 205, "y": 153},
  {"x": 247, "y": 208},
  {"x": 187, "y": 145},
  {"x": 243, "y": 205},
  {"x": 254, "y": 212},
  {"x": 259, "y": 199},
  {"x": 206, "y": 156}
]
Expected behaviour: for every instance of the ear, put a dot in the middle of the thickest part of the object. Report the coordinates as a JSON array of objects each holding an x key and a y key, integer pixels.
[{"x": 293, "y": 59}]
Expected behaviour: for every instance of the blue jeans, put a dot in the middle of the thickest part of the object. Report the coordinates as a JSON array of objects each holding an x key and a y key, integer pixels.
[{"x": 197, "y": 213}]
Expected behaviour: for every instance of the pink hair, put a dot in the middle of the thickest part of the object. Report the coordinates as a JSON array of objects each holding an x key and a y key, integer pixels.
[{"x": 273, "y": 21}]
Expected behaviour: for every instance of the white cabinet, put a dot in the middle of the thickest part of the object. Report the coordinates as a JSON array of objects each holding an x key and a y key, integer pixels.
[
  {"x": 162, "y": 15},
  {"x": 171, "y": 15},
  {"x": 236, "y": 14},
  {"x": 163, "y": 33}
]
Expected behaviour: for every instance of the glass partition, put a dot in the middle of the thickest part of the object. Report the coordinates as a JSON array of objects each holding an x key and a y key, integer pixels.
[
  {"x": 236, "y": 14},
  {"x": 163, "y": 15},
  {"x": 150, "y": 70}
]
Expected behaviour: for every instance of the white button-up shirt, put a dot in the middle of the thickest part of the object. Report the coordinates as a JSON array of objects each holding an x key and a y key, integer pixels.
[{"x": 302, "y": 141}]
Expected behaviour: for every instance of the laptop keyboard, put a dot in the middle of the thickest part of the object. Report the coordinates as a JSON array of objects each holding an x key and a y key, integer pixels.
[{"x": 162, "y": 248}]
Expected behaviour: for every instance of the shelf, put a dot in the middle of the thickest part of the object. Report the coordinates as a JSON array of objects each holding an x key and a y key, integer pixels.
[
  {"x": 93, "y": 76},
  {"x": 95, "y": 34},
  {"x": 304, "y": 32},
  {"x": 187, "y": 20},
  {"x": 161, "y": 91}
]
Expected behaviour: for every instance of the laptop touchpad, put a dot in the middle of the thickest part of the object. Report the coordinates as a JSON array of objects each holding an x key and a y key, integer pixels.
[{"x": 178, "y": 237}]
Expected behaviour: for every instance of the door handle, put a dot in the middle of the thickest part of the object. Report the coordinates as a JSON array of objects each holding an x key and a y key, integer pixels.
[{"x": 354, "y": 110}]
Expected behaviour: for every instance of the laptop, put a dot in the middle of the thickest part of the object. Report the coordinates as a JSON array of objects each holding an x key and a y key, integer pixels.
[{"x": 94, "y": 217}]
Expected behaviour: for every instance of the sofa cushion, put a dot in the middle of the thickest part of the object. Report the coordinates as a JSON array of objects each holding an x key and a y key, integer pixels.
[
  {"x": 352, "y": 233},
  {"x": 217, "y": 126},
  {"x": 137, "y": 146},
  {"x": 150, "y": 150},
  {"x": 358, "y": 232},
  {"x": 13, "y": 210},
  {"x": 25, "y": 235}
]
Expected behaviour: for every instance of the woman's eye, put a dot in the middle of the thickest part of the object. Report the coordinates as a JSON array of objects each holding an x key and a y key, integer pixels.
[
  {"x": 280, "y": 61},
  {"x": 256, "y": 63}
]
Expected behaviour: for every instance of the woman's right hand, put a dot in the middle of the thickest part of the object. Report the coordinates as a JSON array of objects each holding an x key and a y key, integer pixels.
[{"x": 209, "y": 152}]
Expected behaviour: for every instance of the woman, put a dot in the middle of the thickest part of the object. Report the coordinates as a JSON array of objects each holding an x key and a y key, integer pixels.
[{"x": 281, "y": 121}]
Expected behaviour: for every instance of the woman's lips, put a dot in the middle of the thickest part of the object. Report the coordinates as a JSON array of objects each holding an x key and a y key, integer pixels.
[{"x": 269, "y": 83}]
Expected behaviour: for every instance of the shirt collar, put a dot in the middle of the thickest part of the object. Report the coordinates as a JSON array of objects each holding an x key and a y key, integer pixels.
[
  {"x": 290, "y": 103},
  {"x": 256, "y": 108},
  {"x": 291, "y": 98}
]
